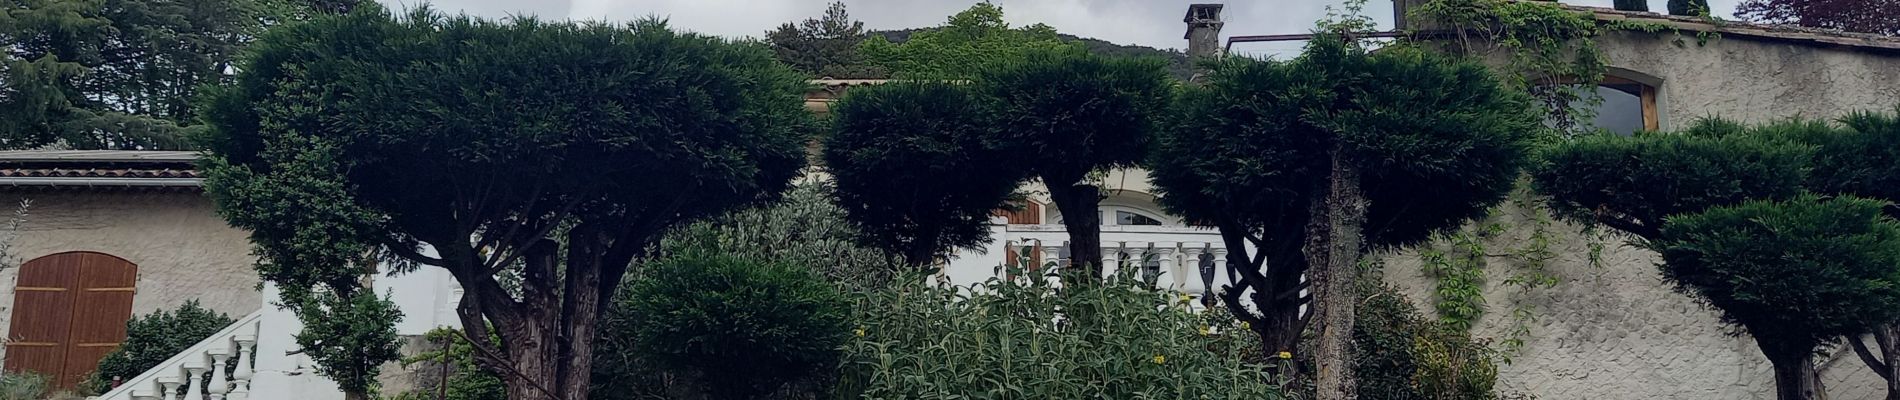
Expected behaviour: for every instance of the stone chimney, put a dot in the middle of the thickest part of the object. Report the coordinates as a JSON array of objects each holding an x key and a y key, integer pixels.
[{"x": 1203, "y": 30}]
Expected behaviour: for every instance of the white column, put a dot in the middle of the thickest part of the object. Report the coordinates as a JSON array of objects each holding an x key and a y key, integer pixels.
[
  {"x": 1138, "y": 264},
  {"x": 1220, "y": 265},
  {"x": 1193, "y": 264},
  {"x": 169, "y": 385},
  {"x": 219, "y": 384},
  {"x": 194, "y": 376},
  {"x": 1052, "y": 264},
  {"x": 241, "y": 376},
  {"x": 1164, "y": 252},
  {"x": 1111, "y": 260}
]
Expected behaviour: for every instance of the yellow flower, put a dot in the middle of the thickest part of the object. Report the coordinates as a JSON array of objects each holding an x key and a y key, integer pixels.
[
  {"x": 1286, "y": 355},
  {"x": 1243, "y": 325},
  {"x": 1203, "y": 330},
  {"x": 1186, "y": 298},
  {"x": 860, "y": 332},
  {"x": 1160, "y": 359}
]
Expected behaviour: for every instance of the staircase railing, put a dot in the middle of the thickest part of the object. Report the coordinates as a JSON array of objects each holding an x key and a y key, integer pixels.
[{"x": 183, "y": 377}]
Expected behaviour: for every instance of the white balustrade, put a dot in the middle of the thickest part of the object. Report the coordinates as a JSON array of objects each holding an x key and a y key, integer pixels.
[
  {"x": 188, "y": 370},
  {"x": 1135, "y": 252}
]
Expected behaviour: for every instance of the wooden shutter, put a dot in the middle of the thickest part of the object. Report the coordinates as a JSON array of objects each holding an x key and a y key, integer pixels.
[
  {"x": 1029, "y": 214},
  {"x": 69, "y": 310}
]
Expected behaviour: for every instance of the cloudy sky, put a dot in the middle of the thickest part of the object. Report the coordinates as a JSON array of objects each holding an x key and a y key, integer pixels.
[{"x": 1154, "y": 23}]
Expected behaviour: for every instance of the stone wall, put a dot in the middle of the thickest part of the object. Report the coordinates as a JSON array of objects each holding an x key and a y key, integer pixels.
[
  {"x": 1615, "y": 330},
  {"x": 183, "y": 250}
]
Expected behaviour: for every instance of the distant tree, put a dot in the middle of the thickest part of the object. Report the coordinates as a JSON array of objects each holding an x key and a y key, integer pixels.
[
  {"x": 546, "y": 155},
  {"x": 824, "y": 47},
  {"x": 1795, "y": 274},
  {"x": 970, "y": 42},
  {"x": 1320, "y": 159},
  {"x": 1688, "y": 8},
  {"x": 1632, "y": 5},
  {"x": 1068, "y": 115},
  {"x": 1865, "y": 16},
  {"x": 119, "y": 74},
  {"x": 912, "y": 169}
]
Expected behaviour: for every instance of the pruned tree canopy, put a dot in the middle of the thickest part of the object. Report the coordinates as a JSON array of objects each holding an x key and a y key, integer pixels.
[
  {"x": 555, "y": 152},
  {"x": 912, "y": 169}
]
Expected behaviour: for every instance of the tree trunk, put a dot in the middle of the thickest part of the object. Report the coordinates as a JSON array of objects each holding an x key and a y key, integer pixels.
[
  {"x": 1885, "y": 336},
  {"x": 1081, "y": 215},
  {"x": 1795, "y": 377},
  {"x": 1883, "y": 363},
  {"x": 1333, "y": 247}
]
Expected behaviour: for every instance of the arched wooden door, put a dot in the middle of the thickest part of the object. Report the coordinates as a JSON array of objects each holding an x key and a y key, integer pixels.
[{"x": 69, "y": 310}]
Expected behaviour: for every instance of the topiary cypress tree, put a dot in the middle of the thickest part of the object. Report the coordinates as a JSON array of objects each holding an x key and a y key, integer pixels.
[
  {"x": 1688, "y": 8},
  {"x": 1632, "y": 5}
]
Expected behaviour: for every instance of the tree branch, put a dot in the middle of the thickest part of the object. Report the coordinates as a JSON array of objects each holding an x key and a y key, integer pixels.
[
  {"x": 1860, "y": 349},
  {"x": 1624, "y": 222}
]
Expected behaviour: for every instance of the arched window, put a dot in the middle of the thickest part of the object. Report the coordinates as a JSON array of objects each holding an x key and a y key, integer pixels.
[
  {"x": 69, "y": 310},
  {"x": 1618, "y": 105}
]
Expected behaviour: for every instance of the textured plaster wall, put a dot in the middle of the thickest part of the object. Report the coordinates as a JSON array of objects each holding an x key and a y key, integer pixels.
[
  {"x": 1616, "y": 331},
  {"x": 182, "y": 249},
  {"x": 1754, "y": 80}
]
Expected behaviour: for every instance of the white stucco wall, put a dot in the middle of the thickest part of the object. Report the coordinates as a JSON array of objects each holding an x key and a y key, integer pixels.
[
  {"x": 183, "y": 250},
  {"x": 1755, "y": 80}
]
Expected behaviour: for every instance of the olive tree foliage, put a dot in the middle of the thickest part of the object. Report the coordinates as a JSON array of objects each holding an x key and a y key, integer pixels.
[
  {"x": 1795, "y": 274},
  {"x": 912, "y": 170},
  {"x": 1255, "y": 151},
  {"x": 1067, "y": 115},
  {"x": 552, "y": 153}
]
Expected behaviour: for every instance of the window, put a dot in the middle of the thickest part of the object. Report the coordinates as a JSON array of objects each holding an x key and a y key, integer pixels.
[
  {"x": 1626, "y": 106},
  {"x": 1123, "y": 217}
]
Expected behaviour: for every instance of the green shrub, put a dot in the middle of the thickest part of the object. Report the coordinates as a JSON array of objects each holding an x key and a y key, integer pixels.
[
  {"x": 463, "y": 379},
  {"x": 804, "y": 229},
  {"x": 22, "y": 386},
  {"x": 998, "y": 340},
  {"x": 151, "y": 339},
  {"x": 730, "y": 327},
  {"x": 1401, "y": 355}
]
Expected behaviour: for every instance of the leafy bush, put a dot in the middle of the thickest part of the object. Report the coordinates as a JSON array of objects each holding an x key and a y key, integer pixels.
[
  {"x": 1005, "y": 339},
  {"x": 22, "y": 386},
  {"x": 731, "y": 327},
  {"x": 1401, "y": 355},
  {"x": 804, "y": 229},
  {"x": 463, "y": 378},
  {"x": 152, "y": 338}
]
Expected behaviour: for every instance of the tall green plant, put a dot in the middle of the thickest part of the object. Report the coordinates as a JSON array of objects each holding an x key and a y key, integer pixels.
[{"x": 1020, "y": 339}]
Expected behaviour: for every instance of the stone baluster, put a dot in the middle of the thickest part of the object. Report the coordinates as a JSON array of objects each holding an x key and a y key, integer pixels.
[
  {"x": 1052, "y": 265},
  {"x": 241, "y": 375},
  {"x": 1164, "y": 252},
  {"x": 1138, "y": 265},
  {"x": 1192, "y": 254},
  {"x": 1220, "y": 263},
  {"x": 147, "y": 393},
  {"x": 219, "y": 384},
  {"x": 168, "y": 386},
  {"x": 194, "y": 379}
]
